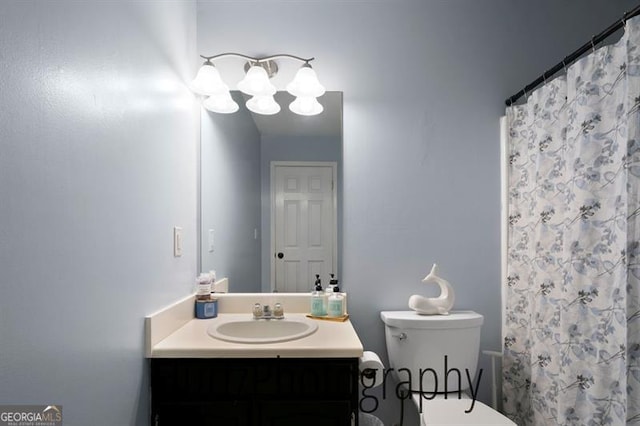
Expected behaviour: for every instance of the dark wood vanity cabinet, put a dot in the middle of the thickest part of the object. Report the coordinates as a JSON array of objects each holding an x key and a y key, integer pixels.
[{"x": 254, "y": 392}]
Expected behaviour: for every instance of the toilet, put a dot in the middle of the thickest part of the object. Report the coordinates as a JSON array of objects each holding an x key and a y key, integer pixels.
[{"x": 438, "y": 356}]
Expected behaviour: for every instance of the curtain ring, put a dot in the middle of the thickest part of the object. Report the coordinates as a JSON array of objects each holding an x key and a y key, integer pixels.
[
  {"x": 544, "y": 77},
  {"x": 593, "y": 45},
  {"x": 564, "y": 65},
  {"x": 526, "y": 96}
]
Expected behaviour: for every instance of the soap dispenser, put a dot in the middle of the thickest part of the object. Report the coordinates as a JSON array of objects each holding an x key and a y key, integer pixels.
[
  {"x": 318, "y": 306},
  {"x": 332, "y": 283},
  {"x": 336, "y": 303}
]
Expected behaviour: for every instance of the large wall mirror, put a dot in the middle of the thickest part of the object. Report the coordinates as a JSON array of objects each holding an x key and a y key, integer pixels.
[{"x": 271, "y": 196}]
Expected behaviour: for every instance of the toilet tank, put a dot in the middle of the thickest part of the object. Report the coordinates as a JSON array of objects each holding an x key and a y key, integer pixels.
[{"x": 436, "y": 353}]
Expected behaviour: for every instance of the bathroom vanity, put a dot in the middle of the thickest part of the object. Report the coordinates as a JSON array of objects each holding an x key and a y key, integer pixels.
[{"x": 200, "y": 380}]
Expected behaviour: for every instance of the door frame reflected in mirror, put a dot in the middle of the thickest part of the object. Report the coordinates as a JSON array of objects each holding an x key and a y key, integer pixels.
[{"x": 311, "y": 188}]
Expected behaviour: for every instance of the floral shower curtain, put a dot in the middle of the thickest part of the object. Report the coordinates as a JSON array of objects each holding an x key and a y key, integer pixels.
[{"x": 572, "y": 300}]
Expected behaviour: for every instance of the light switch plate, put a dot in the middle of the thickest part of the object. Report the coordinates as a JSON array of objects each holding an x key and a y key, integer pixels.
[{"x": 177, "y": 241}]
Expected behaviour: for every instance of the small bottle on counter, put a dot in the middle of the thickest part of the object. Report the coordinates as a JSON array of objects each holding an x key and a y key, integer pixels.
[
  {"x": 206, "y": 306},
  {"x": 318, "y": 306},
  {"x": 203, "y": 287},
  {"x": 336, "y": 303}
]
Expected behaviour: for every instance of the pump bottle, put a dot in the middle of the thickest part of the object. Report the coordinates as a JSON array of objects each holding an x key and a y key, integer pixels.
[
  {"x": 318, "y": 305},
  {"x": 336, "y": 303}
]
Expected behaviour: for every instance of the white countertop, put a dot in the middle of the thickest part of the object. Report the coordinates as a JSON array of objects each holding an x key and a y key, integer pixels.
[
  {"x": 188, "y": 338},
  {"x": 331, "y": 340}
]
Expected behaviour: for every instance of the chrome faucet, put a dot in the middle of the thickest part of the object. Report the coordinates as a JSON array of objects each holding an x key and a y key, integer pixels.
[{"x": 265, "y": 312}]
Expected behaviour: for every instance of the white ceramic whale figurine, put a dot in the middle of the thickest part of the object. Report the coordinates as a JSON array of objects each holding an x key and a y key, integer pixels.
[{"x": 440, "y": 305}]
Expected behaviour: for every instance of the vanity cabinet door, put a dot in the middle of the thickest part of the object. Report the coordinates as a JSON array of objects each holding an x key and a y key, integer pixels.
[
  {"x": 204, "y": 380},
  {"x": 307, "y": 413},
  {"x": 233, "y": 413},
  {"x": 254, "y": 391}
]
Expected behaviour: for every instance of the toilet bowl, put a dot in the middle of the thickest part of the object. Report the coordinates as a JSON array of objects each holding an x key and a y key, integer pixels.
[{"x": 437, "y": 356}]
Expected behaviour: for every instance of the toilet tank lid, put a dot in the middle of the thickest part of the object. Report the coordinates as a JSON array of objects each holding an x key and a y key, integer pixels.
[{"x": 411, "y": 319}]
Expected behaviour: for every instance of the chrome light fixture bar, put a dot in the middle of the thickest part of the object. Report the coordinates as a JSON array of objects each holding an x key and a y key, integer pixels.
[{"x": 304, "y": 86}]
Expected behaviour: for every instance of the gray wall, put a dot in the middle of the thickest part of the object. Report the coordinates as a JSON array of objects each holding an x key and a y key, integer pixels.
[
  {"x": 230, "y": 170},
  {"x": 280, "y": 148},
  {"x": 98, "y": 148},
  {"x": 98, "y": 163},
  {"x": 424, "y": 84}
]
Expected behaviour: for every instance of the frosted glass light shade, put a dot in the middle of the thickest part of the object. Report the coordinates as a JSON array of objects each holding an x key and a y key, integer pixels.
[
  {"x": 306, "y": 84},
  {"x": 221, "y": 103},
  {"x": 208, "y": 81},
  {"x": 306, "y": 106},
  {"x": 256, "y": 83},
  {"x": 264, "y": 105}
]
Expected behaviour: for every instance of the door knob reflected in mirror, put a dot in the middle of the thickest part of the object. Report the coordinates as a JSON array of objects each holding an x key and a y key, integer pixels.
[{"x": 280, "y": 255}]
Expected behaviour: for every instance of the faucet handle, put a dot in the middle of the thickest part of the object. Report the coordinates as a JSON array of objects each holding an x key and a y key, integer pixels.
[
  {"x": 278, "y": 310},
  {"x": 257, "y": 310}
]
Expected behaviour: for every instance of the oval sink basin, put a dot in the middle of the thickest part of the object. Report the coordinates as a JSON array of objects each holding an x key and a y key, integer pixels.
[{"x": 262, "y": 331}]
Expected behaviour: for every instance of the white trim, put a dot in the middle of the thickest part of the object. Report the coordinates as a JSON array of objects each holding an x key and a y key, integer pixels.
[
  {"x": 504, "y": 214},
  {"x": 199, "y": 194},
  {"x": 334, "y": 190}
]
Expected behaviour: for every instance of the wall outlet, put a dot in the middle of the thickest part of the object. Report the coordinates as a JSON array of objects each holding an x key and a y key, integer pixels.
[{"x": 177, "y": 241}]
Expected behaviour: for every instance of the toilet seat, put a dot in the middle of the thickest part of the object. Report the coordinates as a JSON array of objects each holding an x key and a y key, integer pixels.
[{"x": 451, "y": 411}]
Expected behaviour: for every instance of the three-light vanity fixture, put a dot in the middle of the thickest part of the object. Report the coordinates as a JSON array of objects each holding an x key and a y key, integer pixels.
[{"x": 304, "y": 86}]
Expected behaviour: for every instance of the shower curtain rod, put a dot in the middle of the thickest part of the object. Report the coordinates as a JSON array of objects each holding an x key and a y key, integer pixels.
[{"x": 568, "y": 60}]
